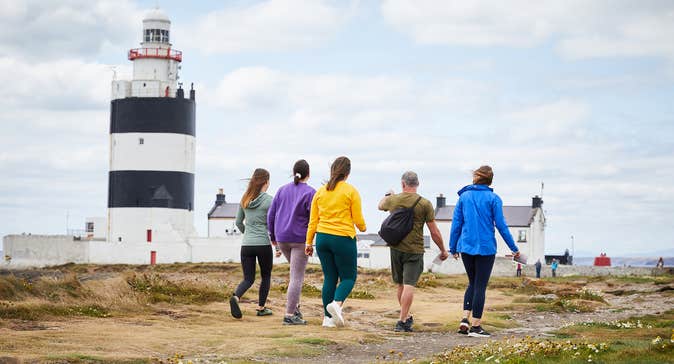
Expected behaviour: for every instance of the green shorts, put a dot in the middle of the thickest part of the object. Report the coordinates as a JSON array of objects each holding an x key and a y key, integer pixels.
[{"x": 406, "y": 268}]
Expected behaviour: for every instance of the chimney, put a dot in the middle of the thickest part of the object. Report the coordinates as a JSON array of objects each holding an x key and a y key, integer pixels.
[
  {"x": 440, "y": 201},
  {"x": 536, "y": 202},
  {"x": 220, "y": 198}
]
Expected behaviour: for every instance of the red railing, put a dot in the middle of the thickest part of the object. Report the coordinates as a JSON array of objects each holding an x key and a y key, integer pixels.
[{"x": 164, "y": 53}]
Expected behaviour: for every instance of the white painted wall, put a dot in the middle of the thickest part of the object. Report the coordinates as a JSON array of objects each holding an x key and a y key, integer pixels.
[
  {"x": 167, "y": 225},
  {"x": 43, "y": 250},
  {"x": 158, "y": 152},
  {"x": 221, "y": 227}
]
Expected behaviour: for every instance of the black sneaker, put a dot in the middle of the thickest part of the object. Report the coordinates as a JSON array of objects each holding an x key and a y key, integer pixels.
[
  {"x": 464, "y": 326},
  {"x": 234, "y": 307},
  {"x": 298, "y": 313},
  {"x": 293, "y": 320},
  {"x": 400, "y": 326},
  {"x": 408, "y": 324},
  {"x": 264, "y": 312},
  {"x": 477, "y": 331}
]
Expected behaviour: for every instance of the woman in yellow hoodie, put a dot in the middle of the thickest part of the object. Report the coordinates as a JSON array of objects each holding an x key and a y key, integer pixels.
[{"x": 335, "y": 209}]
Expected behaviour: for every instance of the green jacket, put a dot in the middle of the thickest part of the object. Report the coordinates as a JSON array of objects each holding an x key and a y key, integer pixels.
[{"x": 252, "y": 221}]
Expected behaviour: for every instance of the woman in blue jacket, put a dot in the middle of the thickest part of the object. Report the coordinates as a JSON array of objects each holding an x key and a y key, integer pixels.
[{"x": 476, "y": 213}]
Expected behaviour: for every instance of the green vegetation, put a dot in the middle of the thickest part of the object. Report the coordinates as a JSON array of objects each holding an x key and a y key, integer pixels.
[
  {"x": 360, "y": 294},
  {"x": 13, "y": 288},
  {"x": 157, "y": 288},
  {"x": 34, "y": 312}
]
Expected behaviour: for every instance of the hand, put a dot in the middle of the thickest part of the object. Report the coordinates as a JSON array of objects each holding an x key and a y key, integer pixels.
[
  {"x": 309, "y": 250},
  {"x": 456, "y": 256},
  {"x": 389, "y": 192},
  {"x": 516, "y": 255},
  {"x": 278, "y": 253},
  {"x": 444, "y": 255}
]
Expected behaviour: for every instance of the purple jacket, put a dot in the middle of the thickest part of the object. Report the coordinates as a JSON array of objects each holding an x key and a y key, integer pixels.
[{"x": 288, "y": 215}]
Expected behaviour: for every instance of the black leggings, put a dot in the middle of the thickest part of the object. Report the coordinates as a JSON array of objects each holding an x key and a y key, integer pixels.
[
  {"x": 265, "y": 258},
  {"x": 478, "y": 269}
]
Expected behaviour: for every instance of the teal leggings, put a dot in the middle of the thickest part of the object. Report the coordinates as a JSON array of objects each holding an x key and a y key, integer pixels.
[{"x": 338, "y": 255}]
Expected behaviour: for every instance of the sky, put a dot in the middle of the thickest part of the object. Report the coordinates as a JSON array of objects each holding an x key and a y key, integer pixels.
[{"x": 574, "y": 94}]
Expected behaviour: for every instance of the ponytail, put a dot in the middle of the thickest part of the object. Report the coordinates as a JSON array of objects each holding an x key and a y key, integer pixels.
[{"x": 300, "y": 171}]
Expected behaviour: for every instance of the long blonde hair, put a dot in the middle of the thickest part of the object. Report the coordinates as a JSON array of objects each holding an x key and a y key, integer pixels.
[{"x": 260, "y": 178}]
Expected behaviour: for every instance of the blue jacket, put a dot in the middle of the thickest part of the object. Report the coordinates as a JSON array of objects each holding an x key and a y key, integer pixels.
[{"x": 479, "y": 209}]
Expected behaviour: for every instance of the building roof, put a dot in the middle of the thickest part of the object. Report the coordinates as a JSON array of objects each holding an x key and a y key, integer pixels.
[
  {"x": 378, "y": 241},
  {"x": 515, "y": 216},
  {"x": 226, "y": 210}
]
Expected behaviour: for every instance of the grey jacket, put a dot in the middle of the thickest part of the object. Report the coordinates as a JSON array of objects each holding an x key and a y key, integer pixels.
[{"x": 252, "y": 221}]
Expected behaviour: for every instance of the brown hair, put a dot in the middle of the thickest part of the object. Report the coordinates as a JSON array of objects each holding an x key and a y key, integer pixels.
[
  {"x": 259, "y": 178},
  {"x": 300, "y": 170},
  {"x": 339, "y": 170},
  {"x": 483, "y": 176}
]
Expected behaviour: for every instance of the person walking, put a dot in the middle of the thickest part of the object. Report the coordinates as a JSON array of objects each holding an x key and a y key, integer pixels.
[
  {"x": 251, "y": 219},
  {"x": 519, "y": 269},
  {"x": 407, "y": 257},
  {"x": 335, "y": 209},
  {"x": 287, "y": 220},
  {"x": 472, "y": 238},
  {"x": 538, "y": 266},
  {"x": 554, "y": 266}
]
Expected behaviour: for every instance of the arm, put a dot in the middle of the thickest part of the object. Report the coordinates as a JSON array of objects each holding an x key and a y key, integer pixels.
[
  {"x": 437, "y": 238},
  {"x": 457, "y": 224},
  {"x": 271, "y": 219},
  {"x": 501, "y": 226},
  {"x": 383, "y": 203},
  {"x": 240, "y": 215},
  {"x": 357, "y": 211},
  {"x": 313, "y": 222}
]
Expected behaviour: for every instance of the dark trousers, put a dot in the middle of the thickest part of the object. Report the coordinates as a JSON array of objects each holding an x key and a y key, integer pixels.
[
  {"x": 478, "y": 268},
  {"x": 538, "y": 272},
  {"x": 265, "y": 257}
]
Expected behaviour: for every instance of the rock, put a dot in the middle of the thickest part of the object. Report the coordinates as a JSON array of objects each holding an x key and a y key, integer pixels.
[{"x": 544, "y": 297}]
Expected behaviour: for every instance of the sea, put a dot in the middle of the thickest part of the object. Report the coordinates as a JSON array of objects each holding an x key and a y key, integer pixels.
[{"x": 627, "y": 261}]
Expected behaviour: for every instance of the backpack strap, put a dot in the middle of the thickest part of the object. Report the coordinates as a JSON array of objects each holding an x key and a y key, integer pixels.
[{"x": 415, "y": 204}]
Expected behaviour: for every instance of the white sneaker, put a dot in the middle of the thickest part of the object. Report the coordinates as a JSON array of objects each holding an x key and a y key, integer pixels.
[
  {"x": 335, "y": 311},
  {"x": 327, "y": 322}
]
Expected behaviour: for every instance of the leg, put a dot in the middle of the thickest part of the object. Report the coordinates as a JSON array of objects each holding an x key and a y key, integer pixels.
[
  {"x": 413, "y": 266},
  {"x": 326, "y": 256},
  {"x": 397, "y": 271},
  {"x": 469, "y": 265},
  {"x": 484, "y": 265},
  {"x": 346, "y": 257},
  {"x": 298, "y": 263},
  {"x": 265, "y": 257},
  {"x": 406, "y": 302},
  {"x": 248, "y": 266}
]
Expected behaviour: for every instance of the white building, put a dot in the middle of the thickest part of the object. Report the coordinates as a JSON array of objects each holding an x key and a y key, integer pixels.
[
  {"x": 222, "y": 217},
  {"x": 526, "y": 225}
]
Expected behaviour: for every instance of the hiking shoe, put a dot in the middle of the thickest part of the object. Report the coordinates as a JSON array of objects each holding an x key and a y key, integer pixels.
[
  {"x": 264, "y": 312},
  {"x": 298, "y": 313},
  {"x": 336, "y": 312},
  {"x": 477, "y": 331},
  {"x": 464, "y": 326},
  {"x": 327, "y": 322},
  {"x": 400, "y": 326},
  {"x": 293, "y": 320},
  {"x": 234, "y": 307}
]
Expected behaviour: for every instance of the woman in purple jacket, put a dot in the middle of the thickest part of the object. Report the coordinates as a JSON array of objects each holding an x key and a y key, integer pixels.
[{"x": 287, "y": 220}]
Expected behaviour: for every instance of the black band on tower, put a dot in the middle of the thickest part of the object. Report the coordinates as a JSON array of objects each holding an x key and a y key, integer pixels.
[
  {"x": 173, "y": 190},
  {"x": 152, "y": 115}
]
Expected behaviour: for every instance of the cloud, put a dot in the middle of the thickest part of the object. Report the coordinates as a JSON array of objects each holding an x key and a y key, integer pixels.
[
  {"x": 40, "y": 30},
  {"x": 579, "y": 29},
  {"x": 268, "y": 25}
]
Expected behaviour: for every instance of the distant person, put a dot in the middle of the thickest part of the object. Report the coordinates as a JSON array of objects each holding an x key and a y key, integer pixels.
[
  {"x": 553, "y": 266},
  {"x": 335, "y": 209},
  {"x": 476, "y": 213},
  {"x": 407, "y": 258},
  {"x": 251, "y": 219},
  {"x": 288, "y": 219},
  {"x": 538, "y": 266},
  {"x": 661, "y": 263},
  {"x": 519, "y": 270}
]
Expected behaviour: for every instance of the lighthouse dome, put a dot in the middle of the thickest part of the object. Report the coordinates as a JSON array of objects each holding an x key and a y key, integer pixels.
[{"x": 156, "y": 14}]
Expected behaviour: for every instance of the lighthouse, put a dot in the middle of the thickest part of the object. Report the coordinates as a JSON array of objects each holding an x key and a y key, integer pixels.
[{"x": 152, "y": 144}]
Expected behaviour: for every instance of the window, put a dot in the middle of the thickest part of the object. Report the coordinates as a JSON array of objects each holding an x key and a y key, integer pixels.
[
  {"x": 522, "y": 236},
  {"x": 141, "y": 141},
  {"x": 147, "y": 35},
  {"x": 90, "y": 227}
]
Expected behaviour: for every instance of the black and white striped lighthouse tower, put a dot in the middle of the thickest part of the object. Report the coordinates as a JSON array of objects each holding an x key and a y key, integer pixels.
[{"x": 152, "y": 144}]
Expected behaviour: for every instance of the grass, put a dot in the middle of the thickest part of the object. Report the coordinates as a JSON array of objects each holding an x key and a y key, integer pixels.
[
  {"x": 158, "y": 288},
  {"x": 14, "y": 288},
  {"x": 33, "y": 312}
]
